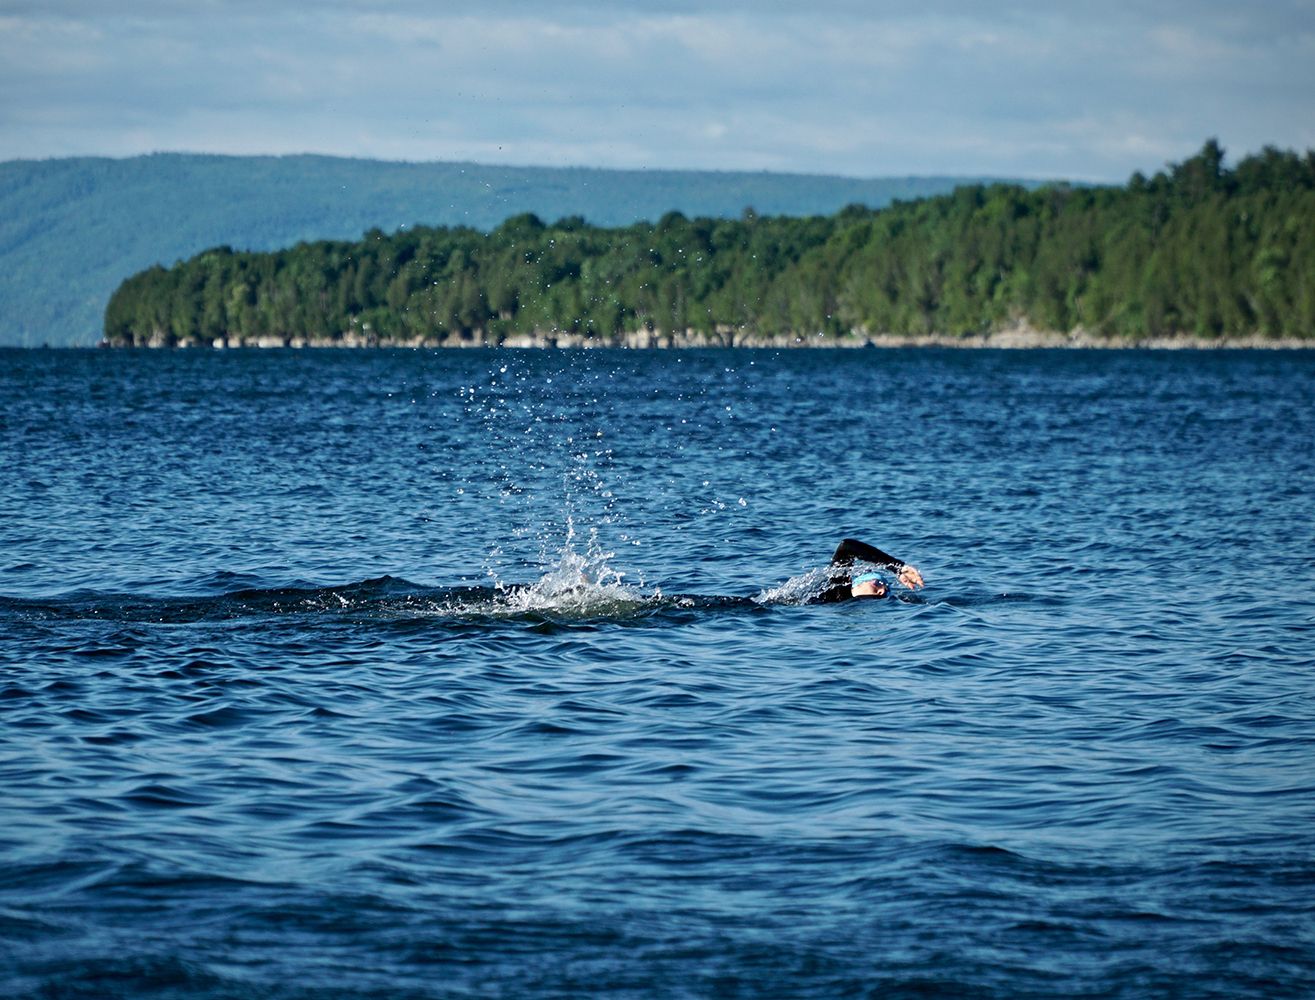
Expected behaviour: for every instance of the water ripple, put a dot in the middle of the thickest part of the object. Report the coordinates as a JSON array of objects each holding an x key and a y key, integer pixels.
[{"x": 344, "y": 693}]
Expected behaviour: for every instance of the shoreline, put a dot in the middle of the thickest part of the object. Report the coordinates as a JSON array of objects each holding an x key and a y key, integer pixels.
[{"x": 1020, "y": 337}]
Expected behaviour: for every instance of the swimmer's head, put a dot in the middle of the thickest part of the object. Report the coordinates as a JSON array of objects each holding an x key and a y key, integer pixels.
[{"x": 868, "y": 585}]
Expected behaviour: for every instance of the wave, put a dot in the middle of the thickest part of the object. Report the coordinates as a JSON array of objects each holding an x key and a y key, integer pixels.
[
  {"x": 385, "y": 599},
  {"x": 580, "y": 588},
  {"x": 565, "y": 594}
]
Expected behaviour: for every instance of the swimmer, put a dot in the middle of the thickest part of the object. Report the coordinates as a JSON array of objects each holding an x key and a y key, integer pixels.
[{"x": 845, "y": 584}]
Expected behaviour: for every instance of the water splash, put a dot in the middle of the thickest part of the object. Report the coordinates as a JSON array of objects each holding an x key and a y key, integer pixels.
[
  {"x": 581, "y": 582},
  {"x": 549, "y": 464},
  {"x": 545, "y": 438},
  {"x": 798, "y": 589}
]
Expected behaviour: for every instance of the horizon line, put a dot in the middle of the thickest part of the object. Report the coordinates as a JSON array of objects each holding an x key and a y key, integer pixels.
[{"x": 762, "y": 171}]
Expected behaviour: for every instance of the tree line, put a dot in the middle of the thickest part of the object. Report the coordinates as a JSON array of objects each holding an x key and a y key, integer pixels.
[{"x": 1197, "y": 249}]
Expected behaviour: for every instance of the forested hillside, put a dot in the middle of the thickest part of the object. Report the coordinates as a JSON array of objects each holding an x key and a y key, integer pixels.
[
  {"x": 72, "y": 229},
  {"x": 1198, "y": 249}
]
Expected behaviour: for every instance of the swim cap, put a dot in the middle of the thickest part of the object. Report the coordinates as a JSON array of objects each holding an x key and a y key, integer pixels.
[{"x": 864, "y": 578}]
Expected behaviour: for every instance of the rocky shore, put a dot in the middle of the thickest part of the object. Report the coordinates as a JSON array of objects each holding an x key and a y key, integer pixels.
[{"x": 1016, "y": 337}]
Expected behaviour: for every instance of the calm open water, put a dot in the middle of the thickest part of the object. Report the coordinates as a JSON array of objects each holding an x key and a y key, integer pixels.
[{"x": 276, "y": 721}]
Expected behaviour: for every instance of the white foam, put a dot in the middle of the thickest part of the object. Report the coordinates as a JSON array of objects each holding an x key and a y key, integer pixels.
[
  {"x": 580, "y": 583},
  {"x": 798, "y": 589}
]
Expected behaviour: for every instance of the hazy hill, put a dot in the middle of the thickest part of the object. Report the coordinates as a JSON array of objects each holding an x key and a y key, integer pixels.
[
  {"x": 1199, "y": 249},
  {"x": 72, "y": 229}
]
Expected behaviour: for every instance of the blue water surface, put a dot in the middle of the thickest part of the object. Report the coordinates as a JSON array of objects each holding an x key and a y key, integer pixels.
[{"x": 493, "y": 673}]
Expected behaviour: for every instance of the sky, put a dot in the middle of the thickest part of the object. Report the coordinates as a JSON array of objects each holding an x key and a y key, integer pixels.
[{"x": 1086, "y": 91}]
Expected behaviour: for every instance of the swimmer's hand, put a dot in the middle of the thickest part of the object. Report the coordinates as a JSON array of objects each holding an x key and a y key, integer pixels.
[{"x": 910, "y": 577}]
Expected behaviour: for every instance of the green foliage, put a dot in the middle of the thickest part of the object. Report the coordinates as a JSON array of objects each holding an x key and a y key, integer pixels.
[
  {"x": 72, "y": 229},
  {"x": 1198, "y": 249}
]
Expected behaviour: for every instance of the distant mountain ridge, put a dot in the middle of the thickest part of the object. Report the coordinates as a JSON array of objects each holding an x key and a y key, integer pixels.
[{"x": 72, "y": 229}]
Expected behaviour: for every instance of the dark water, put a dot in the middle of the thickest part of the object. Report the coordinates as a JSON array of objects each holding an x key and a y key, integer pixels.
[{"x": 276, "y": 722}]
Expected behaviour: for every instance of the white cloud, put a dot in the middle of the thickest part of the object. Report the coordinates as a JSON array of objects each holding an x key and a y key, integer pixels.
[{"x": 1093, "y": 91}]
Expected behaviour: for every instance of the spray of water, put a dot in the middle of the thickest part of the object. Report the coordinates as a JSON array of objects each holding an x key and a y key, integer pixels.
[
  {"x": 798, "y": 589},
  {"x": 582, "y": 582},
  {"x": 532, "y": 461},
  {"x": 539, "y": 465}
]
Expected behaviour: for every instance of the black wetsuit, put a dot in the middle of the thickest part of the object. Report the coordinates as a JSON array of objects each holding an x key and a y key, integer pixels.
[{"x": 841, "y": 575}]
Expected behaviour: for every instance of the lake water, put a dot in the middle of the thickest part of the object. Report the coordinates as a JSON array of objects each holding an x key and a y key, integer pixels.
[{"x": 278, "y": 718}]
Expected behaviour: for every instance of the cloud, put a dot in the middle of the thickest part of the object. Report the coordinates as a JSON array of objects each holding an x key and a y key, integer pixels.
[{"x": 840, "y": 86}]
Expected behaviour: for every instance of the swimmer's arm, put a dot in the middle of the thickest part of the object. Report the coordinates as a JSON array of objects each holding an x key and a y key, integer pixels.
[{"x": 850, "y": 549}]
